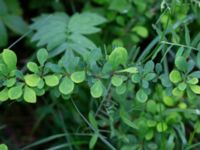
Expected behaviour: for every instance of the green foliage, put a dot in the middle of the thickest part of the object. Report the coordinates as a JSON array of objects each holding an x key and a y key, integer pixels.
[
  {"x": 96, "y": 89},
  {"x": 29, "y": 95},
  {"x": 10, "y": 59},
  {"x": 78, "y": 77},
  {"x": 10, "y": 16},
  {"x": 3, "y": 147},
  {"x": 118, "y": 57},
  {"x": 66, "y": 86}
]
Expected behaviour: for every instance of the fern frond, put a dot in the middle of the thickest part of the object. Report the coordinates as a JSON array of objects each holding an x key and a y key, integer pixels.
[{"x": 59, "y": 32}]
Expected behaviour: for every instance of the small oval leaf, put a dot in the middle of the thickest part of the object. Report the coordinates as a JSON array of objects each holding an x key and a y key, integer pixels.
[
  {"x": 66, "y": 86},
  {"x": 96, "y": 90}
]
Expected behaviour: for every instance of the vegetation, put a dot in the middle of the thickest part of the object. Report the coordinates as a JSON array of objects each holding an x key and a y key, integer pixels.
[{"x": 100, "y": 74}]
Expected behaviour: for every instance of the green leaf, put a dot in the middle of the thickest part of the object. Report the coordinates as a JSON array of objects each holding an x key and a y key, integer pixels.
[
  {"x": 10, "y": 59},
  {"x": 82, "y": 41},
  {"x": 195, "y": 88},
  {"x": 55, "y": 28},
  {"x": 129, "y": 70},
  {"x": 29, "y": 95},
  {"x": 175, "y": 76},
  {"x": 117, "y": 80},
  {"x": 150, "y": 76},
  {"x": 149, "y": 135},
  {"x": 93, "y": 140},
  {"x": 3, "y": 146},
  {"x": 181, "y": 63},
  {"x": 33, "y": 67},
  {"x": 120, "y": 6},
  {"x": 141, "y": 96},
  {"x": 151, "y": 106},
  {"x": 193, "y": 81},
  {"x": 3, "y": 8},
  {"x": 197, "y": 127},
  {"x": 93, "y": 120},
  {"x": 119, "y": 56},
  {"x": 141, "y": 31},
  {"x": 69, "y": 61},
  {"x": 126, "y": 120},
  {"x": 165, "y": 80},
  {"x": 158, "y": 68},
  {"x": 66, "y": 86},
  {"x": 161, "y": 127},
  {"x": 151, "y": 123},
  {"x": 168, "y": 100},
  {"x": 195, "y": 74},
  {"x": 145, "y": 84},
  {"x": 187, "y": 36},
  {"x": 3, "y": 34},
  {"x": 42, "y": 56},
  {"x": 96, "y": 90},
  {"x": 85, "y": 23},
  {"x": 14, "y": 7},
  {"x": 182, "y": 105},
  {"x": 51, "y": 80},
  {"x": 15, "y": 92},
  {"x": 198, "y": 59},
  {"x": 121, "y": 89},
  {"x": 32, "y": 80},
  {"x": 16, "y": 23},
  {"x": 149, "y": 66},
  {"x": 3, "y": 69},
  {"x": 135, "y": 78},
  {"x": 177, "y": 92},
  {"x": 10, "y": 82},
  {"x": 182, "y": 86},
  {"x": 78, "y": 76},
  {"x": 4, "y": 95}
]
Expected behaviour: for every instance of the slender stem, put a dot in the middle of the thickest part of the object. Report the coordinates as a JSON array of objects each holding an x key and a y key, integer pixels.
[
  {"x": 180, "y": 45},
  {"x": 104, "y": 98},
  {"x": 95, "y": 131}
]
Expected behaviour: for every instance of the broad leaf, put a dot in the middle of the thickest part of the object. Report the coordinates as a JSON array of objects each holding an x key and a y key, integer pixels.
[
  {"x": 32, "y": 80},
  {"x": 66, "y": 86},
  {"x": 33, "y": 67},
  {"x": 3, "y": 146},
  {"x": 4, "y": 95},
  {"x": 29, "y": 95},
  {"x": 15, "y": 92},
  {"x": 51, "y": 80},
  {"x": 42, "y": 56},
  {"x": 10, "y": 59},
  {"x": 141, "y": 96},
  {"x": 96, "y": 90},
  {"x": 141, "y": 31},
  {"x": 181, "y": 63},
  {"x": 175, "y": 76},
  {"x": 15, "y": 23},
  {"x": 195, "y": 89},
  {"x": 119, "y": 56},
  {"x": 117, "y": 80},
  {"x": 161, "y": 127},
  {"x": 78, "y": 76}
]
